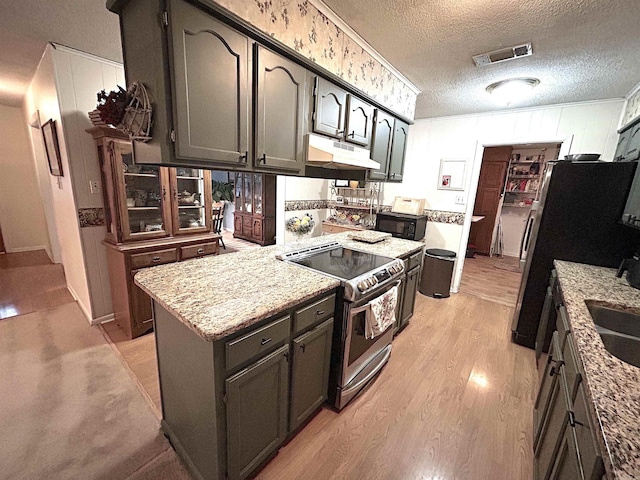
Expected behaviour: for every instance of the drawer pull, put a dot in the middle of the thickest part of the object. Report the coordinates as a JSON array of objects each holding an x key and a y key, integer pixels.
[
  {"x": 264, "y": 341},
  {"x": 319, "y": 312},
  {"x": 155, "y": 259},
  {"x": 572, "y": 420},
  {"x": 200, "y": 251},
  {"x": 302, "y": 347}
]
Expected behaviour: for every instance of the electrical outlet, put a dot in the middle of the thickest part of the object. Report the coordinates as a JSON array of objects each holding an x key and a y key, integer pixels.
[
  {"x": 94, "y": 186},
  {"x": 460, "y": 200}
]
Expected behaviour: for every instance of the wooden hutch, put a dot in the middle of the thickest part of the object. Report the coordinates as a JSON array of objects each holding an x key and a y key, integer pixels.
[{"x": 153, "y": 215}]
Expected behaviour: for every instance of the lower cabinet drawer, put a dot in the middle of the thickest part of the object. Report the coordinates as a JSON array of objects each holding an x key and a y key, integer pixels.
[
  {"x": 199, "y": 250},
  {"x": 589, "y": 453},
  {"x": 415, "y": 260},
  {"x": 257, "y": 342},
  {"x": 314, "y": 313},
  {"x": 141, "y": 260}
]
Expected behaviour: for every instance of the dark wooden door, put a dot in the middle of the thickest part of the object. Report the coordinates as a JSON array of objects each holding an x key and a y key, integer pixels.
[
  {"x": 280, "y": 92},
  {"x": 310, "y": 372},
  {"x": 381, "y": 144},
  {"x": 329, "y": 109},
  {"x": 257, "y": 400},
  {"x": 359, "y": 123},
  {"x": 211, "y": 87},
  {"x": 490, "y": 186},
  {"x": 398, "y": 151}
]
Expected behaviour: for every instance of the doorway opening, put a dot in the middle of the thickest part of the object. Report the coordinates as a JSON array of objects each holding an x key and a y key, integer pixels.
[{"x": 509, "y": 183}]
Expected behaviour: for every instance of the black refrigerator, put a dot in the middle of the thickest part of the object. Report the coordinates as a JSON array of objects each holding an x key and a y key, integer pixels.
[{"x": 577, "y": 218}]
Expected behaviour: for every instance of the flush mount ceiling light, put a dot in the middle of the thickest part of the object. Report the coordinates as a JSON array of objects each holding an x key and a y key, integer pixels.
[{"x": 512, "y": 90}]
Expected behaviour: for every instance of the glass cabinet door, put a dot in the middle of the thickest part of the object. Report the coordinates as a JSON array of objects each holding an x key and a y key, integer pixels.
[
  {"x": 238, "y": 186},
  {"x": 247, "y": 194},
  {"x": 257, "y": 193},
  {"x": 190, "y": 189},
  {"x": 142, "y": 207}
]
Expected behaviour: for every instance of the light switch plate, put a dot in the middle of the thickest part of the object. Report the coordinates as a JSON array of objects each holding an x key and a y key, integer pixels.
[
  {"x": 94, "y": 186},
  {"x": 460, "y": 200}
]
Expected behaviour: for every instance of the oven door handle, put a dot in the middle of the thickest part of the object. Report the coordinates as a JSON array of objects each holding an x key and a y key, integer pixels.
[
  {"x": 356, "y": 310},
  {"x": 371, "y": 374}
]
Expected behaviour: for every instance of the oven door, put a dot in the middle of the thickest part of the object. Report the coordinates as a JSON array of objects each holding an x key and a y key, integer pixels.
[{"x": 362, "y": 358}]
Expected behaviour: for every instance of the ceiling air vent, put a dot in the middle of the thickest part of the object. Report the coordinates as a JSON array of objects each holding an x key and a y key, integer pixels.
[{"x": 503, "y": 54}]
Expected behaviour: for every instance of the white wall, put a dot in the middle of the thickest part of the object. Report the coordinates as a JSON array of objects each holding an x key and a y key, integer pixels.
[
  {"x": 592, "y": 125},
  {"x": 64, "y": 88},
  {"x": 21, "y": 211}
]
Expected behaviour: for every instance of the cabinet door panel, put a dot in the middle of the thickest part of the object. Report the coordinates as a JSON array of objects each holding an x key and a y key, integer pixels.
[
  {"x": 237, "y": 224},
  {"x": 280, "y": 92},
  {"x": 633, "y": 145},
  {"x": 381, "y": 144},
  {"x": 623, "y": 141},
  {"x": 359, "y": 123},
  {"x": 567, "y": 465},
  {"x": 546, "y": 388},
  {"x": 410, "y": 289},
  {"x": 310, "y": 372},
  {"x": 330, "y": 108},
  {"x": 398, "y": 151},
  {"x": 257, "y": 229},
  {"x": 141, "y": 313},
  {"x": 211, "y": 78},
  {"x": 256, "y": 412}
]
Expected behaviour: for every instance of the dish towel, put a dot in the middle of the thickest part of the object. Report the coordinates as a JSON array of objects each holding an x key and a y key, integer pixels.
[{"x": 381, "y": 313}]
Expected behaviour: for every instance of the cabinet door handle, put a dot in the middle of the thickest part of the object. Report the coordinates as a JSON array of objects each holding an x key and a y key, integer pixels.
[
  {"x": 243, "y": 158},
  {"x": 352, "y": 134},
  {"x": 263, "y": 158},
  {"x": 164, "y": 193},
  {"x": 572, "y": 420},
  {"x": 264, "y": 341},
  {"x": 340, "y": 132},
  {"x": 175, "y": 193},
  {"x": 200, "y": 251},
  {"x": 155, "y": 259},
  {"x": 319, "y": 312},
  {"x": 302, "y": 347}
]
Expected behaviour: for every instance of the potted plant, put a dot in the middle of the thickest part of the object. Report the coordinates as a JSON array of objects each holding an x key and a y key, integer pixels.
[{"x": 221, "y": 191}]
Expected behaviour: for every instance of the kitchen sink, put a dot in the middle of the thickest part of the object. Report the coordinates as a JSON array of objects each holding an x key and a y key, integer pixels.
[{"x": 619, "y": 330}]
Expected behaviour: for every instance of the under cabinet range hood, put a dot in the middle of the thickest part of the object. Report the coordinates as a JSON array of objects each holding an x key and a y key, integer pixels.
[{"x": 329, "y": 153}]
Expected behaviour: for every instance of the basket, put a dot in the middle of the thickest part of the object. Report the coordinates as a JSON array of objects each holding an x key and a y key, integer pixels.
[{"x": 136, "y": 120}]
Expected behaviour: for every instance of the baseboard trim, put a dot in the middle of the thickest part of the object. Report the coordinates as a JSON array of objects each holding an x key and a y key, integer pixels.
[
  {"x": 27, "y": 249},
  {"x": 104, "y": 319},
  {"x": 83, "y": 308}
]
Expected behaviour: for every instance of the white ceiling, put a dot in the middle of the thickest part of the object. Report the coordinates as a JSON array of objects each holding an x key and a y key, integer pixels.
[
  {"x": 583, "y": 49},
  {"x": 27, "y": 25}
]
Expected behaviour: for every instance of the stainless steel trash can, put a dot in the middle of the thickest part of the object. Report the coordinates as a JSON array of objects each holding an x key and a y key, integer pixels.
[{"x": 437, "y": 271}]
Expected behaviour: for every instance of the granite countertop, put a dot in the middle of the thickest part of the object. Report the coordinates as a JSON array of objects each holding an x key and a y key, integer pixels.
[
  {"x": 612, "y": 386},
  {"x": 218, "y": 295}
]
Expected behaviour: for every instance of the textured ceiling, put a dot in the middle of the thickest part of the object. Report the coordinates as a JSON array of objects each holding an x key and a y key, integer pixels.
[
  {"x": 27, "y": 25},
  {"x": 583, "y": 49}
]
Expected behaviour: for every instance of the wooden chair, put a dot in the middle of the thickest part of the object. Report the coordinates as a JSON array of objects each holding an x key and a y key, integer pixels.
[{"x": 218, "y": 218}]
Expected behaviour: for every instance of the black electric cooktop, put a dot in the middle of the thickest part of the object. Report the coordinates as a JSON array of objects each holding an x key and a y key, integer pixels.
[{"x": 343, "y": 262}]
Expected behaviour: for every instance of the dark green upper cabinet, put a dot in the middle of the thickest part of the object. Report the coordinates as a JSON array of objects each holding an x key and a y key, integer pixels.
[
  {"x": 398, "y": 151},
  {"x": 211, "y": 87},
  {"x": 280, "y": 89},
  {"x": 359, "y": 122},
  {"x": 381, "y": 144},
  {"x": 329, "y": 108},
  {"x": 632, "y": 151}
]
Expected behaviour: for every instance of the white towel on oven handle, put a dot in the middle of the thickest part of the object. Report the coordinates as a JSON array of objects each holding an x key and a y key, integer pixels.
[{"x": 381, "y": 313}]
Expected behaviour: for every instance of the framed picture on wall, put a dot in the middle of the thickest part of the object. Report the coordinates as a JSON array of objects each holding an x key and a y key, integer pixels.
[
  {"x": 452, "y": 173},
  {"x": 52, "y": 148}
]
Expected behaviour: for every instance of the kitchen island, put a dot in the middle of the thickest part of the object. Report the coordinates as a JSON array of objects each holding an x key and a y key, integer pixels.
[
  {"x": 603, "y": 394},
  {"x": 244, "y": 343}
]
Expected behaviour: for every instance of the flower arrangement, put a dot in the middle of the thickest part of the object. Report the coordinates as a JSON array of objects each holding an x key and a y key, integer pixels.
[
  {"x": 112, "y": 105},
  {"x": 129, "y": 110},
  {"x": 300, "y": 226}
]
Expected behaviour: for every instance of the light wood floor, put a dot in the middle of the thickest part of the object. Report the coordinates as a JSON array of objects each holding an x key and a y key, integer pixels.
[
  {"x": 454, "y": 401},
  {"x": 496, "y": 279}
]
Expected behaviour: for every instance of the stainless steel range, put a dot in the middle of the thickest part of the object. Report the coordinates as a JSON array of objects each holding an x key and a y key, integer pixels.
[{"x": 364, "y": 278}]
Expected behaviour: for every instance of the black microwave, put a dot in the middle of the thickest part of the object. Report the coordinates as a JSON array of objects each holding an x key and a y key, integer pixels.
[{"x": 402, "y": 225}]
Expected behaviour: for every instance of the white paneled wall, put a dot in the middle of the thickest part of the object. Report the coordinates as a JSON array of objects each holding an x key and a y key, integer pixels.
[{"x": 64, "y": 88}]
